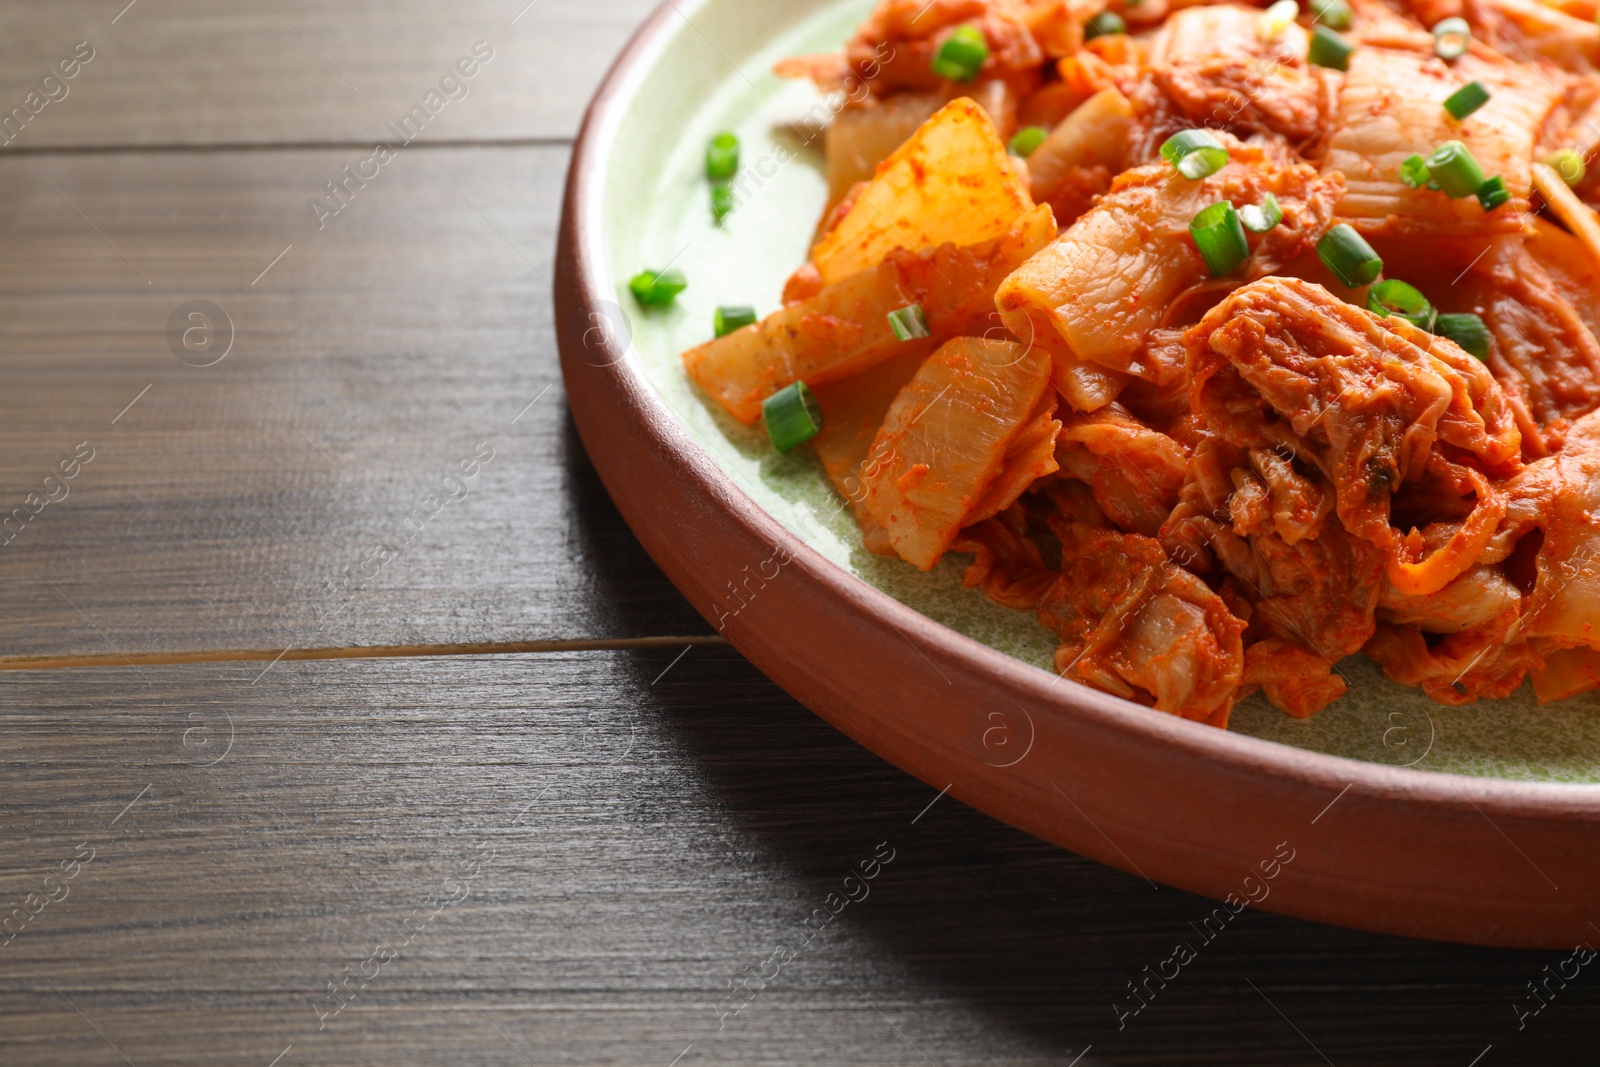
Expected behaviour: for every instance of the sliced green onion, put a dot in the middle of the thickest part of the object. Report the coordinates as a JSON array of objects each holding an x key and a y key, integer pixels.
[
  {"x": 1027, "y": 140},
  {"x": 1414, "y": 172},
  {"x": 722, "y": 157},
  {"x": 653, "y": 289},
  {"x": 1220, "y": 238},
  {"x": 1278, "y": 18},
  {"x": 1568, "y": 164},
  {"x": 962, "y": 55},
  {"x": 1394, "y": 297},
  {"x": 1466, "y": 330},
  {"x": 1328, "y": 49},
  {"x": 1451, "y": 38},
  {"x": 1347, "y": 254},
  {"x": 1493, "y": 193},
  {"x": 1105, "y": 24},
  {"x": 1455, "y": 169},
  {"x": 721, "y": 201},
  {"x": 792, "y": 416},
  {"x": 1334, "y": 14},
  {"x": 730, "y": 317},
  {"x": 1195, "y": 153},
  {"x": 1263, "y": 218},
  {"x": 1467, "y": 99},
  {"x": 908, "y": 322}
]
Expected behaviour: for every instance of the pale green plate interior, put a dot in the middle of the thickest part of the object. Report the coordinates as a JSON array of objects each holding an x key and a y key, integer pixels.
[{"x": 715, "y": 74}]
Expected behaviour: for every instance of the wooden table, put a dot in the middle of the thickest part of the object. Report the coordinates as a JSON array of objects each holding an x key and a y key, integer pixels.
[{"x": 345, "y": 722}]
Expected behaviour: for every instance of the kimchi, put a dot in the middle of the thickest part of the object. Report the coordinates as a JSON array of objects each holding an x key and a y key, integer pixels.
[{"x": 1226, "y": 341}]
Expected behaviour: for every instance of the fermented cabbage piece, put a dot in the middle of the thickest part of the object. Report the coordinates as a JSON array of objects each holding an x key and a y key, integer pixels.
[
  {"x": 1264, "y": 519},
  {"x": 1485, "y": 650},
  {"x": 1206, "y": 31},
  {"x": 1489, "y": 660},
  {"x": 1525, "y": 29},
  {"x": 1316, "y": 594},
  {"x": 1567, "y": 673},
  {"x": 842, "y": 330},
  {"x": 1293, "y": 679},
  {"x": 1135, "y": 472},
  {"x": 1098, "y": 290},
  {"x": 950, "y": 183},
  {"x": 1470, "y": 600},
  {"x": 845, "y": 328},
  {"x": 1312, "y": 598},
  {"x": 1246, "y": 95},
  {"x": 1270, "y": 496},
  {"x": 1544, "y": 353},
  {"x": 893, "y": 48},
  {"x": 1570, "y": 265},
  {"x": 859, "y": 138},
  {"x": 1076, "y": 162},
  {"x": 1007, "y": 565},
  {"x": 852, "y": 413},
  {"x": 1221, "y": 69},
  {"x": 1283, "y": 363},
  {"x": 945, "y": 440},
  {"x": 864, "y": 133},
  {"x": 1031, "y": 455},
  {"x": 1134, "y": 624},
  {"x": 1392, "y": 107},
  {"x": 1560, "y": 498}
]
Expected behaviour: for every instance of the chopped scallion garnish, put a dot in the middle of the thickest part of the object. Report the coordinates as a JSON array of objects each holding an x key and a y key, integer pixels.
[
  {"x": 1414, "y": 172},
  {"x": 1394, "y": 297},
  {"x": 1263, "y": 218},
  {"x": 1466, "y": 330},
  {"x": 1451, "y": 38},
  {"x": 1195, "y": 153},
  {"x": 908, "y": 322},
  {"x": 1568, "y": 164},
  {"x": 1347, "y": 254},
  {"x": 1027, "y": 140},
  {"x": 961, "y": 55},
  {"x": 1328, "y": 49},
  {"x": 730, "y": 317},
  {"x": 1220, "y": 238},
  {"x": 1467, "y": 99},
  {"x": 1455, "y": 169},
  {"x": 792, "y": 416},
  {"x": 1334, "y": 14},
  {"x": 1105, "y": 24},
  {"x": 721, "y": 200},
  {"x": 722, "y": 157},
  {"x": 1493, "y": 193},
  {"x": 655, "y": 289}
]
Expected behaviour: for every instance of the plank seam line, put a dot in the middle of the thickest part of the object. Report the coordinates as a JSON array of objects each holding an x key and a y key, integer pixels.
[
  {"x": 276, "y": 146},
  {"x": 479, "y": 648}
]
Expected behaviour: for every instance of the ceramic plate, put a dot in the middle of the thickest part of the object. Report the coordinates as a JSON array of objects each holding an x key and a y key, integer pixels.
[{"x": 1401, "y": 816}]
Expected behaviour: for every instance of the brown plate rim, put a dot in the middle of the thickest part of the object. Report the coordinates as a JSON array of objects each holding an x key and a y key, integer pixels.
[{"x": 1425, "y": 826}]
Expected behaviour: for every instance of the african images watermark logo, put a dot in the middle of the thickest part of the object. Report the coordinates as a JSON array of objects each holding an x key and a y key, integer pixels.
[
  {"x": 52, "y": 89},
  {"x": 454, "y": 85}
]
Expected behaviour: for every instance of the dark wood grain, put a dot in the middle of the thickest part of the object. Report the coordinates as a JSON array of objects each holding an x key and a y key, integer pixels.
[
  {"x": 674, "y": 829},
  {"x": 221, "y": 510},
  {"x": 206, "y": 72},
  {"x": 681, "y": 824}
]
